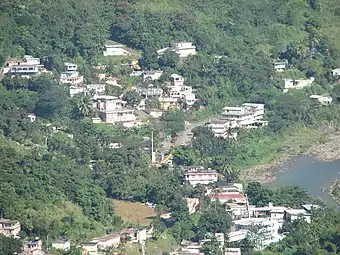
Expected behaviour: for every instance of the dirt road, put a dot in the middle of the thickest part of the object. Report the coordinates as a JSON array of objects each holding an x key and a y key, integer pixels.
[{"x": 182, "y": 137}]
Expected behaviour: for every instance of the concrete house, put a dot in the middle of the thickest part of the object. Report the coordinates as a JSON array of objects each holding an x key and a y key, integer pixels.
[
  {"x": 223, "y": 128},
  {"x": 268, "y": 230},
  {"x": 33, "y": 247},
  {"x": 271, "y": 211},
  {"x": 71, "y": 67},
  {"x": 152, "y": 75},
  {"x": 177, "y": 80},
  {"x": 10, "y": 228},
  {"x": 71, "y": 77},
  {"x": 115, "y": 50},
  {"x": 248, "y": 115},
  {"x": 199, "y": 175},
  {"x": 149, "y": 91},
  {"x": 155, "y": 113},
  {"x": 297, "y": 84},
  {"x": 280, "y": 66},
  {"x": 112, "y": 110},
  {"x": 73, "y": 90},
  {"x": 26, "y": 67},
  {"x": 32, "y": 117},
  {"x": 322, "y": 99},
  {"x": 97, "y": 245},
  {"x": 62, "y": 244},
  {"x": 168, "y": 102},
  {"x": 184, "y": 49},
  {"x": 336, "y": 72}
]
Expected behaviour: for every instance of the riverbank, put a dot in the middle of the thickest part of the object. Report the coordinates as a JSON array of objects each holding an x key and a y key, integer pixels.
[
  {"x": 334, "y": 191},
  {"x": 325, "y": 146}
]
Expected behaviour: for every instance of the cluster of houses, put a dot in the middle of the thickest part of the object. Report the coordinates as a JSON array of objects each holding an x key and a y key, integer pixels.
[
  {"x": 289, "y": 84},
  {"x": 97, "y": 246},
  {"x": 12, "y": 228},
  {"x": 248, "y": 115},
  {"x": 174, "y": 96},
  {"x": 182, "y": 49},
  {"x": 267, "y": 220},
  {"x": 194, "y": 248}
]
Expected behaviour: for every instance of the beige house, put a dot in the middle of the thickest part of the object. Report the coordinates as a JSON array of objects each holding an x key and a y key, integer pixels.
[
  {"x": 61, "y": 244},
  {"x": 112, "y": 110},
  {"x": 10, "y": 228},
  {"x": 97, "y": 245}
]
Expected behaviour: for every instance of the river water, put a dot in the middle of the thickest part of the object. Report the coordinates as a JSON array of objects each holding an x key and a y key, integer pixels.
[{"x": 311, "y": 174}]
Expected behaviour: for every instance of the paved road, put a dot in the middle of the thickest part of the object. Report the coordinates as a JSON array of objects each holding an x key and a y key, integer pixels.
[{"x": 182, "y": 137}]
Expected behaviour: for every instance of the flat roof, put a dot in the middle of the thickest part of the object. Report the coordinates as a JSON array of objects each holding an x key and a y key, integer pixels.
[
  {"x": 8, "y": 221},
  {"x": 297, "y": 211}
]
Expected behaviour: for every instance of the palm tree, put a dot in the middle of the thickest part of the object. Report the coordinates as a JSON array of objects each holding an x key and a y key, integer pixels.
[{"x": 83, "y": 105}]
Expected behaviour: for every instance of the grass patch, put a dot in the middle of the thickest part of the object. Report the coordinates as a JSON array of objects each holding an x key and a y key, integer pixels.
[
  {"x": 134, "y": 212},
  {"x": 157, "y": 247}
]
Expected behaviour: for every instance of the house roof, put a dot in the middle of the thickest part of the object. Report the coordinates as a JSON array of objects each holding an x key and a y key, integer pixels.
[
  {"x": 175, "y": 76},
  {"x": 226, "y": 196},
  {"x": 8, "y": 221}
]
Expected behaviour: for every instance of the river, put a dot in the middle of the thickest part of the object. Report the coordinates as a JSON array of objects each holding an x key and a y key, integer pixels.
[{"x": 311, "y": 174}]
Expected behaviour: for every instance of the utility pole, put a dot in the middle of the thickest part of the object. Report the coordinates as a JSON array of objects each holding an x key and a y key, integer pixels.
[{"x": 152, "y": 152}]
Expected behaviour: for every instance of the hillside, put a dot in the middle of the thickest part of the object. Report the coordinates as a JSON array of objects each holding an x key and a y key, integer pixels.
[{"x": 59, "y": 174}]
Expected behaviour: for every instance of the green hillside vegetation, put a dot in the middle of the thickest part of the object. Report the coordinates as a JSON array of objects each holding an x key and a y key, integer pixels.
[{"x": 58, "y": 184}]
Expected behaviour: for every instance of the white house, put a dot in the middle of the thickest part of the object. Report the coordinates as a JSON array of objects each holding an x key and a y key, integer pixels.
[
  {"x": 280, "y": 66},
  {"x": 71, "y": 77},
  {"x": 115, "y": 50},
  {"x": 184, "y": 49},
  {"x": 324, "y": 100},
  {"x": 25, "y": 70},
  {"x": 297, "y": 84},
  {"x": 97, "y": 245},
  {"x": 152, "y": 75},
  {"x": 293, "y": 214},
  {"x": 249, "y": 115},
  {"x": 232, "y": 251},
  {"x": 155, "y": 113},
  {"x": 71, "y": 66},
  {"x": 10, "y": 228},
  {"x": 336, "y": 72},
  {"x": 112, "y": 111},
  {"x": 177, "y": 80},
  {"x": 62, "y": 244},
  {"x": 31, "y": 60},
  {"x": 223, "y": 128},
  {"x": 195, "y": 176},
  {"x": 32, "y": 117},
  {"x": 141, "y": 105},
  {"x": 267, "y": 230},
  {"x": 150, "y": 91},
  {"x": 76, "y": 90},
  {"x": 276, "y": 212}
]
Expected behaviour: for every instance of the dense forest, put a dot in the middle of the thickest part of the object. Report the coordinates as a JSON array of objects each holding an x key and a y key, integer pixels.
[{"x": 58, "y": 174}]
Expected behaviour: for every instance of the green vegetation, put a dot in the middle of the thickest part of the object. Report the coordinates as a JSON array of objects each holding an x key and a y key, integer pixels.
[
  {"x": 9, "y": 246},
  {"x": 59, "y": 174}
]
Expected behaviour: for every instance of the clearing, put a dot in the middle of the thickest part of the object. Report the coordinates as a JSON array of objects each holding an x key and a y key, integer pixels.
[{"x": 134, "y": 212}]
